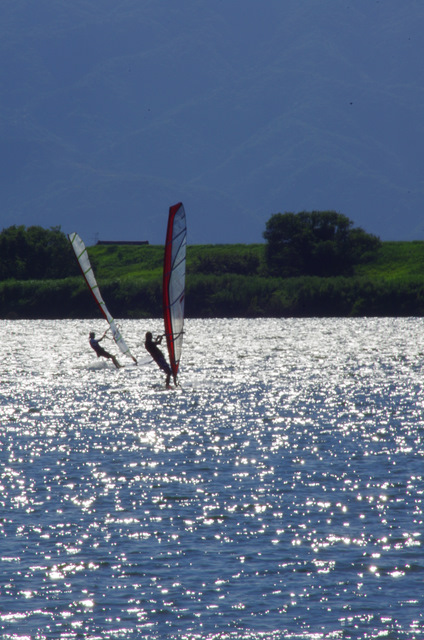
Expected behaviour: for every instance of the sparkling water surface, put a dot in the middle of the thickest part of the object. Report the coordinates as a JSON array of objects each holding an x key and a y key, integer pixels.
[{"x": 277, "y": 493}]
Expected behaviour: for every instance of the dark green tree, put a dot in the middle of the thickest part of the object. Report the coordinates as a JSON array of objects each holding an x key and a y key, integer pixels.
[
  {"x": 35, "y": 253},
  {"x": 321, "y": 243}
]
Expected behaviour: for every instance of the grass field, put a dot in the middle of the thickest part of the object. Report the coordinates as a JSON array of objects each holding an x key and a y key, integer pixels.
[
  {"x": 394, "y": 260},
  {"x": 146, "y": 261},
  {"x": 225, "y": 281}
]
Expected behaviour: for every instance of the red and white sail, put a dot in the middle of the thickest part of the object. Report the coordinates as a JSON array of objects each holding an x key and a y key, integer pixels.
[{"x": 174, "y": 270}]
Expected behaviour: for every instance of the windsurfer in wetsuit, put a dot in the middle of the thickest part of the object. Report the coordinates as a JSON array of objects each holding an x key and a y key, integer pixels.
[
  {"x": 157, "y": 355},
  {"x": 99, "y": 350}
]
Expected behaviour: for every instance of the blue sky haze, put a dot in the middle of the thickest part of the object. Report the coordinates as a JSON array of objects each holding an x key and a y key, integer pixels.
[{"x": 113, "y": 110}]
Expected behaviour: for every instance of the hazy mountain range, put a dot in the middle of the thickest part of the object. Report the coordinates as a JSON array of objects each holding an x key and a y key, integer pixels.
[{"x": 112, "y": 110}]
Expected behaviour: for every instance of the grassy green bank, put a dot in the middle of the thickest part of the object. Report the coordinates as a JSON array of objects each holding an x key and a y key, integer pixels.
[{"x": 225, "y": 281}]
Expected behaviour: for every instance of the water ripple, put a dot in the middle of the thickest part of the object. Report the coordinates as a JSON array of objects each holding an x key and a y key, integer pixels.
[{"x": 276, "y": 493}]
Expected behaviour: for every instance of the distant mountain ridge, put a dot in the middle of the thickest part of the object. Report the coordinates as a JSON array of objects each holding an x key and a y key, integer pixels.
[{"x": 112, "y": 111}]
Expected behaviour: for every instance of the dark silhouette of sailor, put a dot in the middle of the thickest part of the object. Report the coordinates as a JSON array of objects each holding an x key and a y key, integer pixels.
[
  {"x": 94, "y": 344},
  {"x": 157, "y": 355}
]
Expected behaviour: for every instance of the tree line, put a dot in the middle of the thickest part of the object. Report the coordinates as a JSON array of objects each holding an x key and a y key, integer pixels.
[
  {"x": 317, "y": 243},
  {"x": 312, "y": 264},
  {"x": 219, "y": 296},
  {"x": 35, "y": 253}
]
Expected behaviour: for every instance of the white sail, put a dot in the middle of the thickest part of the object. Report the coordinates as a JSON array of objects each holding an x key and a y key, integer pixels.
[{"x": 87, "y": 271}]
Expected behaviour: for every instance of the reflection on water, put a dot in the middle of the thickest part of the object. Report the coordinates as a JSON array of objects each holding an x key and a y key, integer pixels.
[{"x": 277, "y": 492}]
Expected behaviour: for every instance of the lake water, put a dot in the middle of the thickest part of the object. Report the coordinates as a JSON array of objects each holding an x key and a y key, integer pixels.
[{"x": 278, "y": 493}]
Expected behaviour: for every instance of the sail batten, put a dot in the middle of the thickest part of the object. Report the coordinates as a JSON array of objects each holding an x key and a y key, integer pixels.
[
  {"x": 81, "y": 255},
  {"x": 174, "y": 283}
]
